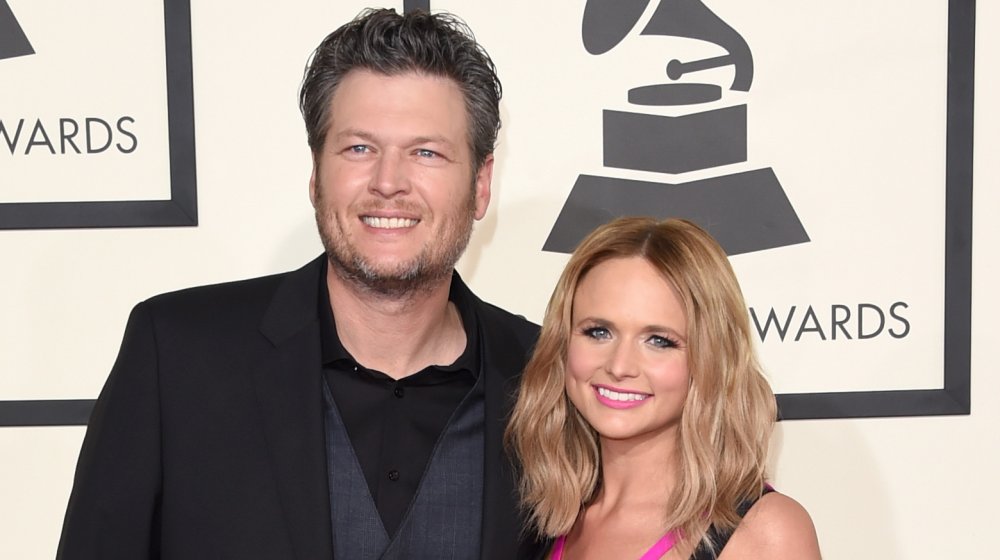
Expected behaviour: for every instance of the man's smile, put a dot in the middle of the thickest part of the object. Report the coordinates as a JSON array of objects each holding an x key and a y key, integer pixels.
[{"x": 388, "y": 223}]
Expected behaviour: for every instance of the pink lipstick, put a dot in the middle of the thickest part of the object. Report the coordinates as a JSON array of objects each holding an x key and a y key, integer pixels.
[{"x": 618, "y": 398}]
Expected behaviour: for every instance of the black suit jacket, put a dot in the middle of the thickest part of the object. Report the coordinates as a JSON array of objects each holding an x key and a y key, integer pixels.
[{"x": 208, "y": 438}]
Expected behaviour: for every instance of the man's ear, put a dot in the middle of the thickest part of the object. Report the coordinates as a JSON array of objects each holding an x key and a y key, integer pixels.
[
  {"x": 312, "y": 183},
  {"x": 484, "y": 181}
]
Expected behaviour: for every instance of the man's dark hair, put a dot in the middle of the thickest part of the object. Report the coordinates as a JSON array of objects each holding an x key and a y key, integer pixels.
[{"x": 389, "y": 43}]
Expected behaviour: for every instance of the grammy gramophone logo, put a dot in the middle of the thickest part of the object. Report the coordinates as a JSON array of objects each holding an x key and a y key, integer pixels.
[
  {"x": 13, "y": 42},
  {"x": 746, "y": 211}
]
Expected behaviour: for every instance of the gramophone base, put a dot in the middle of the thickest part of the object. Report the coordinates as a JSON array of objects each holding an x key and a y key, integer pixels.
[
  {"x": 678, "y": 144},
  {"x": 745, "y": 211}
]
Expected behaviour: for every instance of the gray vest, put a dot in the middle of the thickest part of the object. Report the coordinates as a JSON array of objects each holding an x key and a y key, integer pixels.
[{"x": 444, "y": 520}]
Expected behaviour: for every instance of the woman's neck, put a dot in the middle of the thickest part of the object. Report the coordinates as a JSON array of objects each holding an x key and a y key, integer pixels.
[
  {"x": 638, "y": 472},
  {"x": 629, "y": 512}
]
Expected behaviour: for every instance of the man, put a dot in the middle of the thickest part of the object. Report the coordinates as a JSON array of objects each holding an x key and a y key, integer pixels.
[{"x": 353, "y": 408}]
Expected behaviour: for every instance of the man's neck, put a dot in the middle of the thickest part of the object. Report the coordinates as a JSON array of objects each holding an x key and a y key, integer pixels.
[{"x": 400, "y": 335}]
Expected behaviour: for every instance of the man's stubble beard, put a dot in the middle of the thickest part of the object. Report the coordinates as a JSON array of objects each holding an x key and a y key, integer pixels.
[{"x": 433, "y": 265}]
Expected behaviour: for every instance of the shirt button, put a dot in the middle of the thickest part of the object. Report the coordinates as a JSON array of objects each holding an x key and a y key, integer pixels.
[
  {"x": 394, "y": 475},
  {"x": 398, "y": 391}
]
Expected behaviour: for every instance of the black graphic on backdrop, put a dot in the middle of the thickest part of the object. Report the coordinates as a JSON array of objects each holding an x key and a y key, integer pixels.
[
  {"x": 13, "y": 42},
  {"x": 73, "y": 135},
  {"x": 746, "y": 211},
  {"x": 953, "y": 398},
  {"x": 181, "y": 209},
  {"x": 416, "y": 5}
]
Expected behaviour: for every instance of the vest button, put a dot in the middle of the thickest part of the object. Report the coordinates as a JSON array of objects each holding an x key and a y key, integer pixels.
[
  {"x": 398, "y": 391},
  {"x": 394, "y": 475}
]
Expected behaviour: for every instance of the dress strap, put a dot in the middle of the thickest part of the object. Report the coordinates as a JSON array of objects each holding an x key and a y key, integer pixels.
[
  {"x": 720, "y": 538},
  {"x": 661, "y": 547},
  {"x": 557, "y": 547},
  {"x": 656, "y": 552}
]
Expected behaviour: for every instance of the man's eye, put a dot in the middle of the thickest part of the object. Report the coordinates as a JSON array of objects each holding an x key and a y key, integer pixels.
[
  {"x": 359, "y": 149},
  {"x": 425, "y": 153}
]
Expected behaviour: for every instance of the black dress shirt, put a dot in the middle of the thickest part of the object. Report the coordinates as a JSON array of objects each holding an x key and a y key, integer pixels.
[{"x": 393, "y": 424}]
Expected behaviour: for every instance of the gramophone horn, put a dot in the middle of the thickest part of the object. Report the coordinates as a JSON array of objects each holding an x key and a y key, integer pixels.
[{"x": 607, "y": 22}]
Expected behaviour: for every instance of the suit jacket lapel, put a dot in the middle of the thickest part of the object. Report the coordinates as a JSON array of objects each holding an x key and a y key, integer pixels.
[
  {"x": 501, "y": 366},
  {"x": 288, "y": 381}
]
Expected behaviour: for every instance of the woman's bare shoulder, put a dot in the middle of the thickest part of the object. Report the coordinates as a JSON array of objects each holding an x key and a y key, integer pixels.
[{"x": 776, "y": 527}]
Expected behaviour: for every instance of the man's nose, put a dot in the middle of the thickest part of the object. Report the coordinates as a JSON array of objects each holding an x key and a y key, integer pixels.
[{"x": 389, "y": 177}]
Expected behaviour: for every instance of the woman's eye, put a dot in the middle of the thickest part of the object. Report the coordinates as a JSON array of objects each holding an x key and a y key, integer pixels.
[
  {"x": 599, "y": 333},
  {"x": 662, "y": 341}
]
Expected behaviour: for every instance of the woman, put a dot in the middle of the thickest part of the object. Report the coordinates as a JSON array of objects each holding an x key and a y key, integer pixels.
[{"x": 643, "y": 419}]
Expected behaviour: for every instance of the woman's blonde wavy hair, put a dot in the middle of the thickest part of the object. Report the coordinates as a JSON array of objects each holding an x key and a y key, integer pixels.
[{"x": 728, "y": 415}]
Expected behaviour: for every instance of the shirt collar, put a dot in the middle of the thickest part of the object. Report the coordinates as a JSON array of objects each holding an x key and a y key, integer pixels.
[{"x": 333, "y": 349}]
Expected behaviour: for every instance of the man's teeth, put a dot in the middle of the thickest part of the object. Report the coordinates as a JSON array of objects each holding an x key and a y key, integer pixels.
[
  {"x": 388, "y": 223},
  {"x": 623, "y": 397}
]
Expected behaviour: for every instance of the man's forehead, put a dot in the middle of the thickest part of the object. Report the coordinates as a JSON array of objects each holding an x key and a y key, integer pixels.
[{"x": 422, "y": 105}]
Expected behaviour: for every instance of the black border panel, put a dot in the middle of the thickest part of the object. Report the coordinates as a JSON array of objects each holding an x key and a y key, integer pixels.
[
  {"x": 954, "y": 397},
  {"x": 182, "y": 208},
  {"x": 416, "y": 5},
  {"x": 45, "y": 413}
]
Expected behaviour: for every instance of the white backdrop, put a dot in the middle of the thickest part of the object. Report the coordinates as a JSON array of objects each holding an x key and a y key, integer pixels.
[{"x": 906, "y": 488}]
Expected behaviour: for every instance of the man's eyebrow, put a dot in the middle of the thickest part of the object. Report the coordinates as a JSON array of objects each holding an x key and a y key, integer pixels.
[
  {"x": 355, "y": 132},
  {"x": 370, "y": 137},
  {"x": 431, "y": 139}
]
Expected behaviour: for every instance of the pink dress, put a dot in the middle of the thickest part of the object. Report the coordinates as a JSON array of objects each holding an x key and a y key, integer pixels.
[
  {"x": 664, "y": 545},
  {"x": 655, "y": 552}
]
